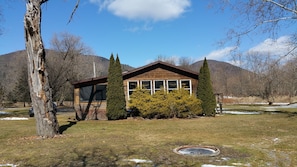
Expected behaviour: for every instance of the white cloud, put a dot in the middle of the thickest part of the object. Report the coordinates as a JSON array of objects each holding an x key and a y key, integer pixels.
[
  {"x": 144, "y": 27},
  {"x": 277, "y": 47},
  {"x": 155, "y": 10},
  {"x": 236, "y": 63},
  {"x": 220, "y": 54}
]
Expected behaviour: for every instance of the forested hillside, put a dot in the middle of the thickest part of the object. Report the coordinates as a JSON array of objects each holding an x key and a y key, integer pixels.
[
  {"x": 226, "y": 78},
  {"x": 61, "y": 70},
  {"x": 224, "y": 75}
]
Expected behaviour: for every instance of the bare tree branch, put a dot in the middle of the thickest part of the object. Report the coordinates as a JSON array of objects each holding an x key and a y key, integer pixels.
[
  {"x": 266, "y": 17},
  {"x": 282, "y": 6},
  {"x": 74, "y": 10}
]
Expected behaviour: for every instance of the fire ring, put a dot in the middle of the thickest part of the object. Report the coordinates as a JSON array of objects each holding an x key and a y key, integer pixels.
[{"x": 197, "y": 150}]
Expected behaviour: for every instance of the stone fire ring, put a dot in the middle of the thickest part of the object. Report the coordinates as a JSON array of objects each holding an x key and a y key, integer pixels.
[{"x": 197, "y": 151}]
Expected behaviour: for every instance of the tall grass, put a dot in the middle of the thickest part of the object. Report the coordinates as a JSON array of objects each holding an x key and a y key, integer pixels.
[{"x": 255, "y": 140}]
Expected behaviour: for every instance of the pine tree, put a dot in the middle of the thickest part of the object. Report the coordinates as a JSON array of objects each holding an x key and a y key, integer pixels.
[
  {"x": 22, "y": 90},
  {"x": 205, "y": 92},
  {"x": 121, "y": 100},
  {"x": 2, "y": 95},
  {"x": 116, "y": 103}
]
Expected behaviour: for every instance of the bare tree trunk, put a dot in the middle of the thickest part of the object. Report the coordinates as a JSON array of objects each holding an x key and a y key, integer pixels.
[{"x": 40, "y": 91}]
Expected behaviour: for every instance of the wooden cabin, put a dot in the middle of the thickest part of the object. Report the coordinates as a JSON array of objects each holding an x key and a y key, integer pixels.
[{"x": 90, "y": 94}]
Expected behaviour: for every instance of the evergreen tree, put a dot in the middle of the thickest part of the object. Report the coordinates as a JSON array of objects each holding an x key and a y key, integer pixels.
[
  {"x": 116, "y": 103},
  {"x": 205, "y": 92},
  {"x": 2, "y": 95},
  {"x": 22, "y": 90},
  {"x": 121, "y": 100}
]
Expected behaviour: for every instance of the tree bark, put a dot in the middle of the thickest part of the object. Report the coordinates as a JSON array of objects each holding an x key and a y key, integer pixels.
[{"x": 40, "y": 91}]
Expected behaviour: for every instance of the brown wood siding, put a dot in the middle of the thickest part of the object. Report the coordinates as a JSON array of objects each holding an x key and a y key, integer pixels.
[
  {"x": 154, "y": 71},
  {"x": 160, "y": 74},
  {"x": 156, "y": 74}
]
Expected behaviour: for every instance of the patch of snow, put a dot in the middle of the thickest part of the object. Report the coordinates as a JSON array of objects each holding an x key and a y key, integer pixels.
[
  {"x": 225, "y": 158},
  {"x": 241, "y": 164},
  {"x": 253, "y": 103},
  {"x": 3, "y": 112},
  {"x": 275, "y": 140},
  {"x": 139, "y": 160},
  {"x": 273, "y": 108},
  {"x": 290, "y": 106},
  {"x": 281, "y": 104},
  {"x": 241, "y": 112},
  {"x": 10, "y": 165},
  {"x": 208, "y": 165},
  {"x": 270, "y": 108},
  {"x": 13, "y": 118}
]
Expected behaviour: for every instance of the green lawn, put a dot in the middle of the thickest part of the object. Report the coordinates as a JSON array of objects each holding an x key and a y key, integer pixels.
[{"x": 255, "y": 140}]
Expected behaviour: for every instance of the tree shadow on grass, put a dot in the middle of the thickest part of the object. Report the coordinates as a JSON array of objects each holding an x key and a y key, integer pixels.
[{"x": 65, "y": 127}]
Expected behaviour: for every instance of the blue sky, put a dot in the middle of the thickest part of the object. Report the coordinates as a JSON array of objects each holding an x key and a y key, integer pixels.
[{"x": 138, "y": 31}]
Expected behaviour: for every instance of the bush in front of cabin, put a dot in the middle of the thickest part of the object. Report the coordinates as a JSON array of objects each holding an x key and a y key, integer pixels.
[
  {"x": 183, "y": 105},
  {"x": 139, "y": 101},
  {"x": 175, "y": 104},
  {"x": 160, "y": 105}
]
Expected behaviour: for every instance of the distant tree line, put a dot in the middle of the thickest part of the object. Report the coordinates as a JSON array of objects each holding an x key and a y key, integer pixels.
[
  {"x": 262, "y": 75},
  {"x": 2, "y": 95},
  {"x": 269, "y": 76}
]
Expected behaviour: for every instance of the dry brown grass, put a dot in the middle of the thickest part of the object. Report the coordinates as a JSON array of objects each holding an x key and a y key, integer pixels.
[
  {"x": 254, "y": 99},
  {"x": 255, "y": 140}
]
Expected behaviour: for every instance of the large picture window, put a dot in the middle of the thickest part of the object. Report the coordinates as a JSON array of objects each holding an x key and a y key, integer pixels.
[
  {"x": 97, "y": 92},
  {"x": 85, "y": 93}
]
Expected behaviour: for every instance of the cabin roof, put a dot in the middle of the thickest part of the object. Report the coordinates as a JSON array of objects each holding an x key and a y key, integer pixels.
[{"x": 138, "y": 71}]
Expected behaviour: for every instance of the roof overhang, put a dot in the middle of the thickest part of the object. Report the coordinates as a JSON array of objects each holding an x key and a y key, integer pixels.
[{"x": 138, "y": 71}]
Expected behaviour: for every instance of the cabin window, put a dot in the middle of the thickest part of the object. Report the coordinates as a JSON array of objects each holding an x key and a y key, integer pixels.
[
  {"x": 172, "y": 85},
  {"x": 132, "y": 86},
  {"x": 100, "y": 93},
  {"x": 147, "y": 85},
  {"x": 85, "y": 93},
  {"x": 158, "y": 85},
  {"x": 187, "y": 85},
  {"x": 90, "y": 93}
]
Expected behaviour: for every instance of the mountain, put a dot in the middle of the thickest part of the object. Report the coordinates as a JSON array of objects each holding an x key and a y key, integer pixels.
[
  {"x": 226, "y": 78},
  {"x": 10, "y": 67},
  {"x": 215, "y": 66},
  {"x": 12, "y": 64}
]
